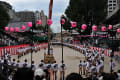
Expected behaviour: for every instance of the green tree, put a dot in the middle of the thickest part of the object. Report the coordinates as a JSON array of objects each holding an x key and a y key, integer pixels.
[
  {"x": 4, "y": 17},
  {"x": 67, "y": 25},
  {"x": 87, "y": 11}
]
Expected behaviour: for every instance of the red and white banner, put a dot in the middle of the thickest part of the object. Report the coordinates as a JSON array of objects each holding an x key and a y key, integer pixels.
[{"x": 13, "y": 49}]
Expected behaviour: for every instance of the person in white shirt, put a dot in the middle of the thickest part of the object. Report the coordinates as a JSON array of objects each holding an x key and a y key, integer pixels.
[
  {"x": 112, "y": 65},
  {"x": 84, "y": 67},
  {"x": 102, "y": 56},
  {"x": 41, "y": 65},
  {"x": 80, "y": 67},
  {"x": 1, "y": 60},
  {"x": 55, "y": 69},
  {"x": 93, "y": 68},
  {"x": 13, "y": 63},
  {"x": 25, "y": 64},
  {"x": 18, "y": 64},
  {"x": 33, "y": 66},
  {"x": 87, "y": 67},
  {"x": 45, "y": 51},
  {"x": 62, "y": 69}
]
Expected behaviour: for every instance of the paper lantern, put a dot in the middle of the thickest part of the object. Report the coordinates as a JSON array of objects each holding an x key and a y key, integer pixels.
[
  {"x": 16, "y": 29},
  {"x": 118, "y": 30},
  {"x": 73, "y": 24},
  {"x": 39, "y": 22},
  {"x": 6, "y": 28},
  {"x": 94, "y": 28},
  {"x": 84, "y": 26},
  {"x": 104, "y": 28},
  {"x": 29, "y": 24},
  {"x": 62, "y": 21},
  {"x": 11, "y": 29},
  {"x": 49, "y": 22},
  {"x": 23, "y": 27},
  {"x": 110, "y": 27}
]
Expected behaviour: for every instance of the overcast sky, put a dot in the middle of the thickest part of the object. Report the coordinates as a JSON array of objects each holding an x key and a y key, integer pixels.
[{"x": 59, "y": 7}]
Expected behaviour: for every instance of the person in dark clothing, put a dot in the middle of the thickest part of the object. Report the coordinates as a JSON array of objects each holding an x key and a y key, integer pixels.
[
  {"x": 74, "y": 76},
  {"x": 23, "y": 74}
]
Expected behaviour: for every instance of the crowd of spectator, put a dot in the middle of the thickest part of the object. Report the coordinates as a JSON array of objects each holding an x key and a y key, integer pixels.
[
  {"x": 6, "y": 41},
  {"x": 91, "y": 68}
]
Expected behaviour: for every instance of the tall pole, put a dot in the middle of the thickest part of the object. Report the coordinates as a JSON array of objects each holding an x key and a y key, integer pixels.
[
  {"x": 50, "y": 17},
  {"x": 112, "y": 51},
  {"x": 32, "y": 47},
  {"x": 62, "y": 50}
]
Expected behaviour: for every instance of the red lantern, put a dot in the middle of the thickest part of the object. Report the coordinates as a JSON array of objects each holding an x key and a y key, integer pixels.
[
  {"x": 49, "y": 22},
  {"x": 29, "y": 24},
  {"x": 6, "y": 28},
  {"x": 62, "y": 21},
  {"x": 39, "y": 22},
  {"x": 104, "y": 28},
  {"x": 16, "y": 29},
  {"x": 23, "y": 27},
  {"x": 73, "y": 24},
  {"x": 118, "y": 30},
  {"x": 110, "y": 27},
  {"x": 84, "y": 26},
  {"x": 94, "y": 28},
  {"x": 11, "y": 29}
]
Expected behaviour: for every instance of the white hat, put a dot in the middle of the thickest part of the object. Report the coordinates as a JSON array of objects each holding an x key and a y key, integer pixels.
[{"x": 39, "y": 72}]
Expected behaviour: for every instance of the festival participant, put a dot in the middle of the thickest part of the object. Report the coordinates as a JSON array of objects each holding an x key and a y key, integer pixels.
[
  {"x": 51, "y": 50},
  {"x": 41, "y": 65},
  {"x": 87, "y": 67},
  {"x": 112, "y": 65},
  {"x": 18, "y": 64},
  {"x": 92, "y": 69},
  {"x": 80, "y": 67},
  {"x": 25, "y": 64},
  {"x": 2, "y": 60},
  {"x": 13, "y": 63},
  {"x": 45, "y": 51},
  {"x": 102, "y": 66},
  {"x": 9, "y": 61},
  {"x": 55, "y": 69},
  {"x": 62, "y": 69},
  {"x": 102, "y": 56},
  {"x": 33, "y": 66},
  {"x": 84, "y": 67}
]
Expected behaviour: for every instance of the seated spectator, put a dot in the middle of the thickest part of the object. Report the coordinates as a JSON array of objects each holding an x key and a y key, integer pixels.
[{"x": 74, "y": 76}]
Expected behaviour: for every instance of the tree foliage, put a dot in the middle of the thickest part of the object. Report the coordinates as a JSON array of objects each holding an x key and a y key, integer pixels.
[
  {"x": 4, "y": 17},
  {"x": 87, "y": 11},
  {"x": 67, "y": 25}
]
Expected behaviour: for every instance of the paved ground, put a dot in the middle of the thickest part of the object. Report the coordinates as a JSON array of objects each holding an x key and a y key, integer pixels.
[{"x": 71, "y": 59}]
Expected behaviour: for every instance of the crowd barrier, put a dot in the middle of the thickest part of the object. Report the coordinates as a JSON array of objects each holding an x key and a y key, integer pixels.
[{"x": 13, "y": 49}]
